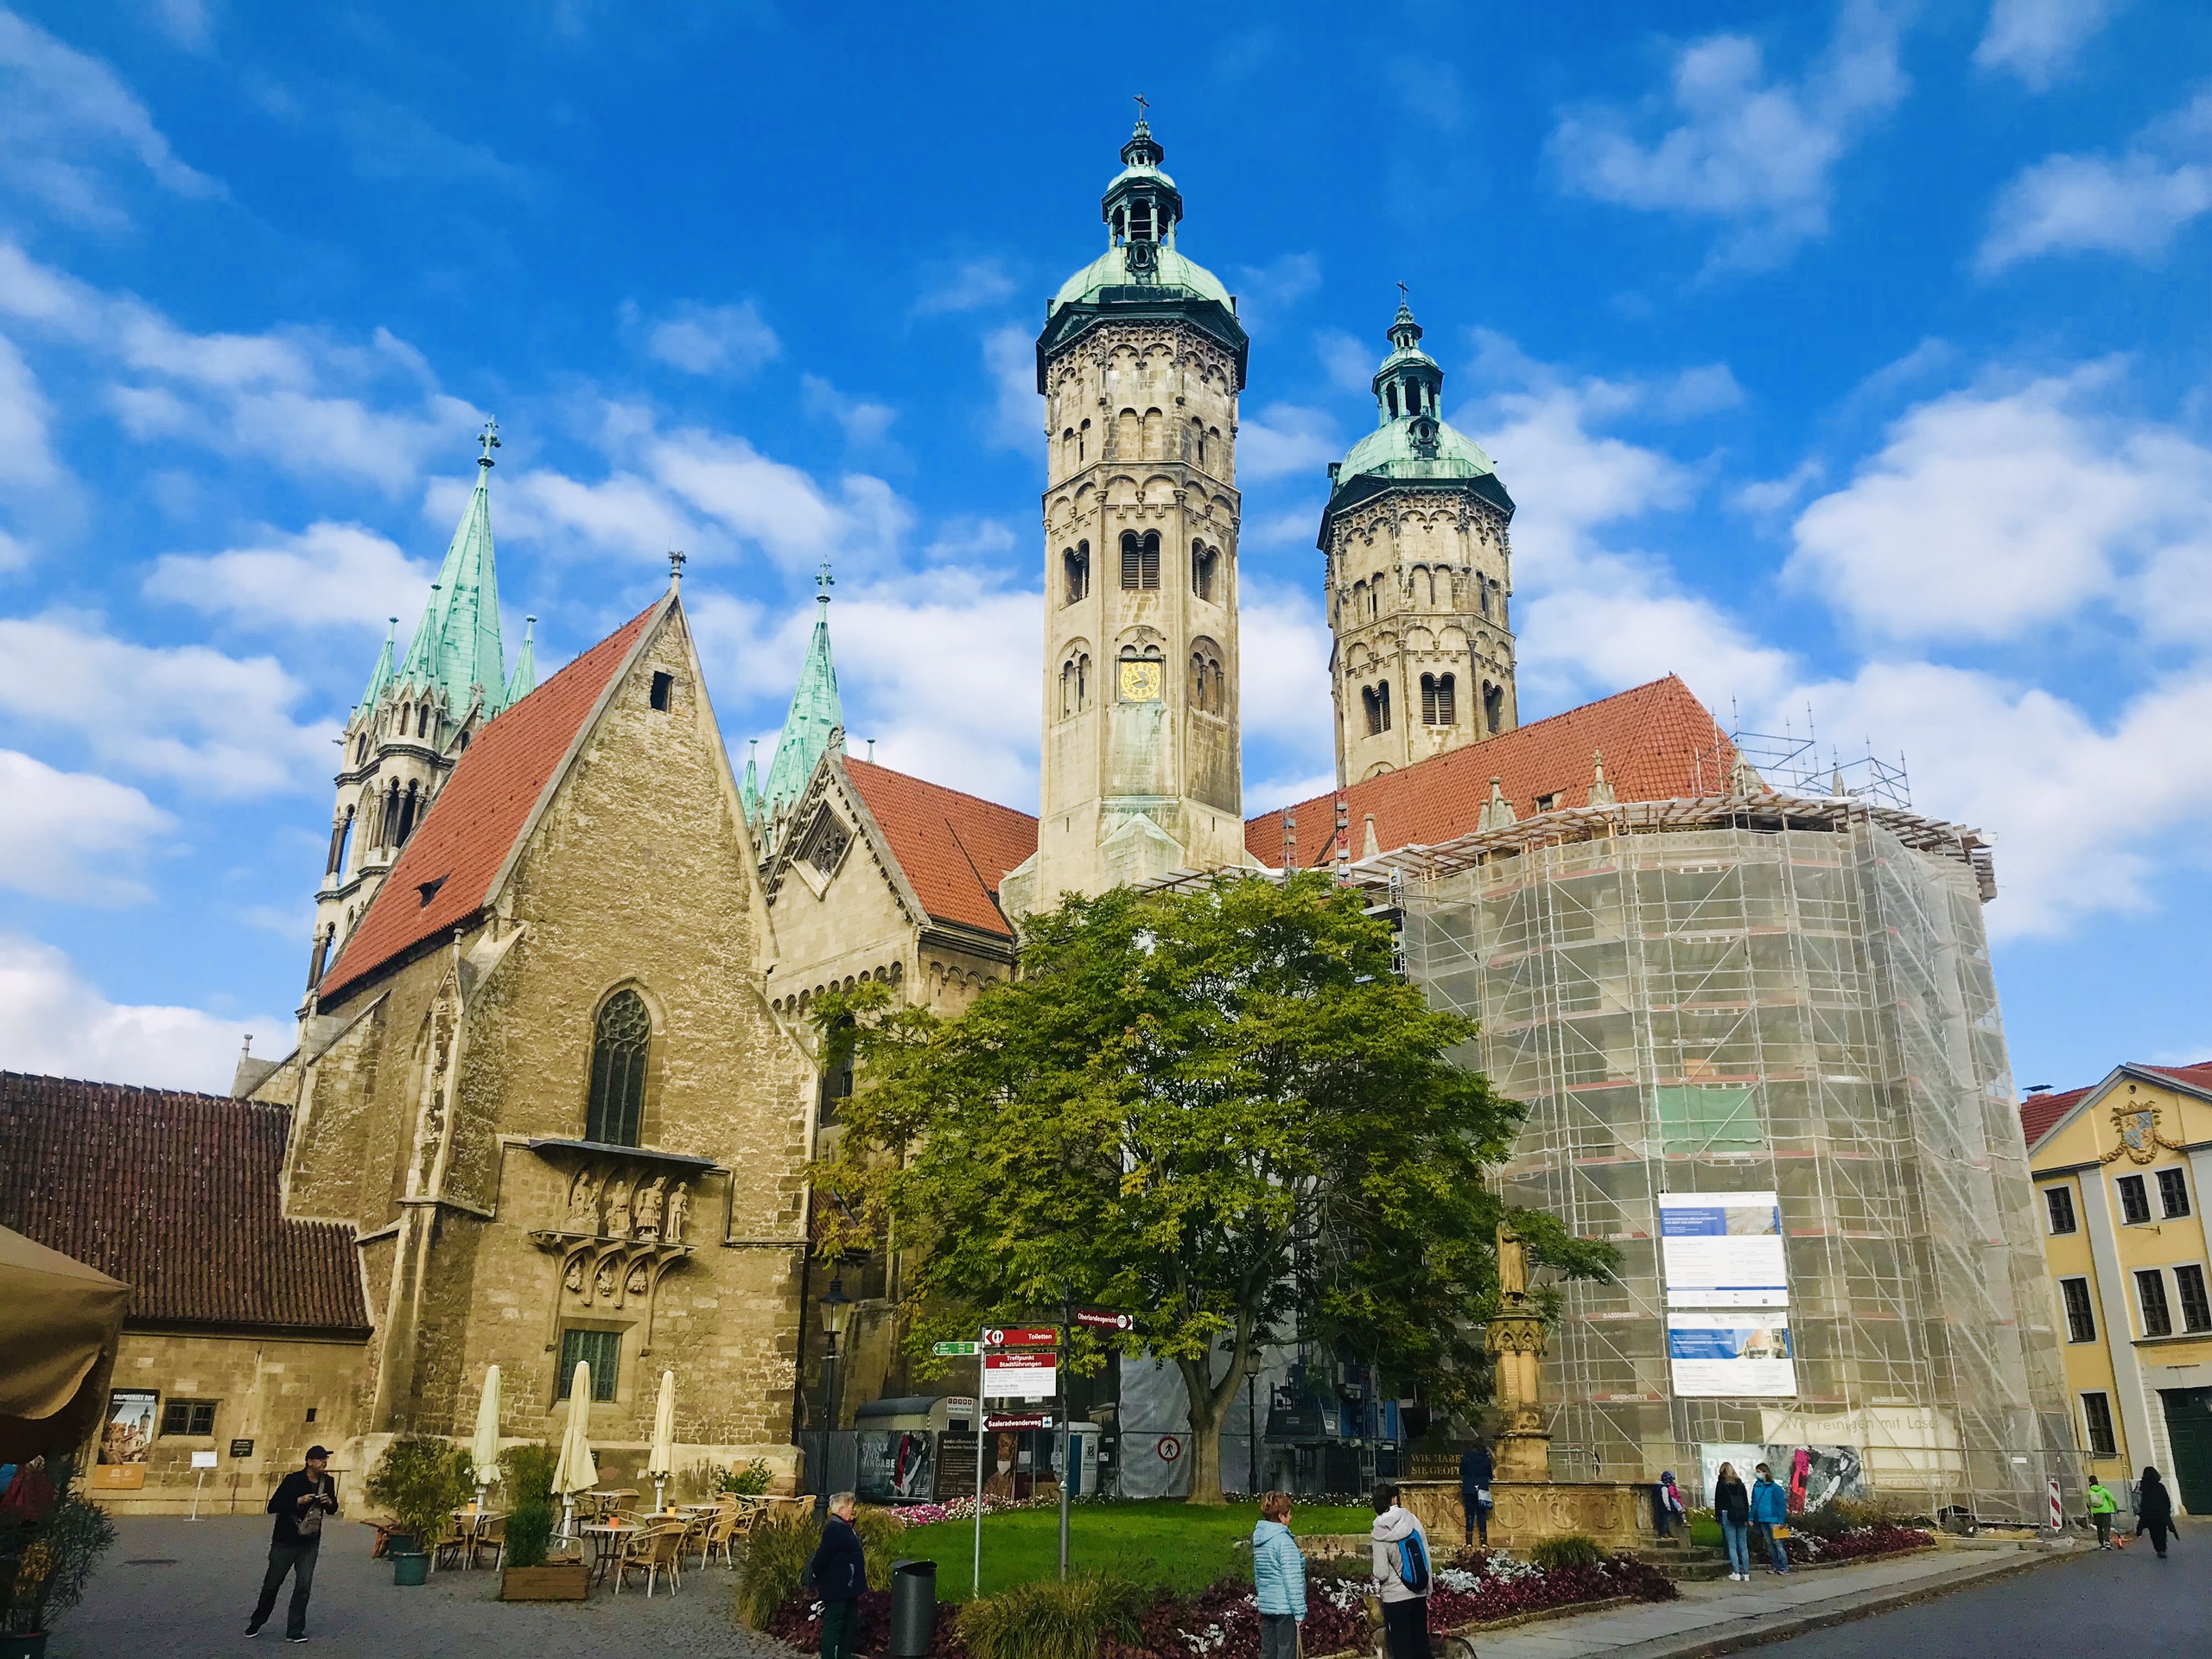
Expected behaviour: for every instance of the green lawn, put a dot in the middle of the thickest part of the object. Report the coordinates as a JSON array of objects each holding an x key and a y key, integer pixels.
[{"x": 1168, "y": 1543}]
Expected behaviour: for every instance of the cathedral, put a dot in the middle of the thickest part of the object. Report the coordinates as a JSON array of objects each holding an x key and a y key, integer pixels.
[{"x": 553, "y": 1096}]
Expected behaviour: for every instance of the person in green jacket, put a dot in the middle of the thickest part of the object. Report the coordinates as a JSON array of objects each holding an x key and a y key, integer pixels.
[{"x": 2102, "y": 1505}]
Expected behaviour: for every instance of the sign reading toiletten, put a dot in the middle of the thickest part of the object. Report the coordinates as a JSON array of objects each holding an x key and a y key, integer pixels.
[{"x": 1722, "y": 1249}]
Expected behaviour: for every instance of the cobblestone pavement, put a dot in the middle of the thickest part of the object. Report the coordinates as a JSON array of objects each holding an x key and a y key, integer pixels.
[
  {"x": 172, "y": 1588},
  {"x": 1720, "y": 1616}
]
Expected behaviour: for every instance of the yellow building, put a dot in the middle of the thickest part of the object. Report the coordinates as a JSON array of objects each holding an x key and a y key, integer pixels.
[{"x": 2122, "y": 1170}]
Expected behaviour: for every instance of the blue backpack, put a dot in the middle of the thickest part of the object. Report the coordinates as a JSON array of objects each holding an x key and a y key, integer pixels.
[{"x": 1412, "y": 1564}]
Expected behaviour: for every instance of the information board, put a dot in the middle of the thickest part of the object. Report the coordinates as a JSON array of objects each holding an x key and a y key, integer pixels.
[
  {"x": 1021, "y": 1376},
  {"x": 1718, "y": 1354},
  {"x": 1723, "y": 1249}
]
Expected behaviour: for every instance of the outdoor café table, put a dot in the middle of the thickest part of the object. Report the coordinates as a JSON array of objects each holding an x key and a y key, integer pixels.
[
  {"x": 607, "y": 1538},
  {"x": 472, "y": 1520}
]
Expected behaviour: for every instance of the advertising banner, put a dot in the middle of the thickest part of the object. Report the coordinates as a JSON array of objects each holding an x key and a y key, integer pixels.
[
  {"x": 1721, "y": 1355},
  {"x": 1021, "y": 1376},
  {"x": 130, "y": 1429},
  {"x": 897, "y": 1465},
  {"x": 1722, "y": 1249}
]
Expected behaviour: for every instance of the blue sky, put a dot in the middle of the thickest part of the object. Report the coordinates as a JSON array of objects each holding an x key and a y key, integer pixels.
[{"x": 1843, "y": 356}]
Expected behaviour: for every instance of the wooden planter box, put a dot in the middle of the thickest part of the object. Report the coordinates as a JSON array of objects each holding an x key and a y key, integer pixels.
[{"x": 559, "y": 1581}]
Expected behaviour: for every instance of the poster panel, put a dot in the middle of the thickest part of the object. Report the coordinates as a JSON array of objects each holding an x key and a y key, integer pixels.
[
  {"x": 1724, "y": 1355},
  {"x": 899, "y": 1465},
  {"x": 1722, "y": 1249},
  {"x": 1743, "y": 1455},
  {"x": 1818, "y": 1474},
  {"x": 1019, "y": 1376},
  {"x": 130, "y": 1429}
]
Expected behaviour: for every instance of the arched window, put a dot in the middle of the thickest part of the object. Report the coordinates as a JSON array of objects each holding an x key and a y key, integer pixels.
[
  {"x": 1376, "y": 700},
  {"x": 619, "y": 1047},
  {"x": 1483, "y": 588},
  {"x": 1390, "y": 397},
  {"x": 1201, "y": 442},
  {"x": 1493, "y": 707},
  {"x": 407, "y": 811},
  {"x": 1382, "y": 702},
  {"x": 1075, "y": 684},
  {"x": 1374, "y": 596},
  {"x": 1082, "y": 440},
  {"x": 1447, "y": 700},
  {"x": 1140, "y": 560},
  {"x": 342, "y": 837},
  {"x": 1204, "y": 560},
  {"x": 422, "y": 720},
  {"x": 1125, "y": 434}
]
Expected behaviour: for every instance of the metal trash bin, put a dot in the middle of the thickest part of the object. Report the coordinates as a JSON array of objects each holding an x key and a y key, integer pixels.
[{"x": 913, "y": 1608}]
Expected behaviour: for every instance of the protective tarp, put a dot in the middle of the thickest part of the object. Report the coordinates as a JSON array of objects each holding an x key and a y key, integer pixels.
[{"x": 57, "y": 1319}]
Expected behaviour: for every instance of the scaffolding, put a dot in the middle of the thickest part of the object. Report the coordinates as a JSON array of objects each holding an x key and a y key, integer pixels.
[{"x": 1783, "y": 993}]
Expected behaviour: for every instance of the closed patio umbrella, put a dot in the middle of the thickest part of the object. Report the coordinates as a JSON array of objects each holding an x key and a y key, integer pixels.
[
  {"x": 484, "y": 1451},
  {"x": 662, "y": 1464},
  {"x": 576, "y": 1472}
]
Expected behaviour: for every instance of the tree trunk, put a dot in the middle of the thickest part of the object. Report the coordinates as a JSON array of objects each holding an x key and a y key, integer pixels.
[{"x": 1206, "y": 1434}]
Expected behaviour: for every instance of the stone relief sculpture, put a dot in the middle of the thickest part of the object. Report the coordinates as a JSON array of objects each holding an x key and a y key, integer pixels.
[
  {"x": 618, "y": 1208},
  {"x": 583, "y": 1203},
  {"x": 648, "y": 1221},
  {"x": 639, "y": 1279},
  {"x": 679, "y": 1211},
  {"x": 574, "y": 1278},
  {"x": 603, "y": 1283}
]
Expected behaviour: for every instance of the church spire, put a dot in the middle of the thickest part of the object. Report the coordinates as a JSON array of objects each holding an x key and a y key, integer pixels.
[
  {"x": 455, "y": 649},
  {"x": 749, "y": 796},
  {"x": 523, "y": 680},
  {"x": 817, "y": 712},
  {"x": 380, "y": 676}
]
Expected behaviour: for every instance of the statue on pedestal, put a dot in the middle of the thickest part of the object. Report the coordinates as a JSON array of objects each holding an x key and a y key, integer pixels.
[{"x": 1516, "y": 1337}]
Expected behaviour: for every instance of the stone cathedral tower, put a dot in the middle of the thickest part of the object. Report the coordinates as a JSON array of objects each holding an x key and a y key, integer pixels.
[
  {"x": 1141, "y": 363},
  {"x": 1418, "y": 576}
]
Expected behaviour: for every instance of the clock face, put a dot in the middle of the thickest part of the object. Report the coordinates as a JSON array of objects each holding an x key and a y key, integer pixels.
[{"x": 1141, "y": 681}]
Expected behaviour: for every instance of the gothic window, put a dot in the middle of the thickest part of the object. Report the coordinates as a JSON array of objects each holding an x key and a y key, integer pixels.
[
  {"x": 620, "y": 1044},
  {"x": 1376, "y": 700},
  {"x": 422, "y": 720},
  {"x": 464, "y": 742},
  {"x": 1493, "y": 707},
  {"x": 1140, "y": 560},
  {"x": 1075, "y": 569},
  {"x": 826, "y": 839},
  {"x": 663, "y": 688},
  {"x": 1209, "y": 684},
  {"x": 1204, "y": 562},
  {"x": 407, "y": 809}
]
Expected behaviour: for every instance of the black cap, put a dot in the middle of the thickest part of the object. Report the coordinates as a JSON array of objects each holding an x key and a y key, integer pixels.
[{"x": 314, "y": 1452}]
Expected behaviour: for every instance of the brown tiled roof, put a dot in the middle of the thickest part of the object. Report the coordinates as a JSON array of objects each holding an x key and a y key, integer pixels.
[
  {"x": 176, "y": 1194},
  {"x": 955, "y": 849},
  {"x": 463, "y": 841},
  {"x": 1658, "y": 741},
  {"x": 2039, "y": 1113}
]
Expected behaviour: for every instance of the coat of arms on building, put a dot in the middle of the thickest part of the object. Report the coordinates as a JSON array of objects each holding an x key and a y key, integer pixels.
[{"x": 2138, "y": 1128}]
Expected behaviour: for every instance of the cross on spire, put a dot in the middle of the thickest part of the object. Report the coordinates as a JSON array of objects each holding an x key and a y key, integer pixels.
[
  {"x": 823, "y": 581},
  {"x": 490, "y": 439},
  {"x": 1144, "y": 107},
  {"x": 1401, "y": 294}
]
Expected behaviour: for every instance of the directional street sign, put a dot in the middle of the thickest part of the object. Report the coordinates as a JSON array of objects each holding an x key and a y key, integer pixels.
[
  {"x": 1013, "y": 1419},
  {"x": 1098, "y": 1319},
  {"x": 943, "y": 1348},
  {"x": 1042, "y": 1336}
]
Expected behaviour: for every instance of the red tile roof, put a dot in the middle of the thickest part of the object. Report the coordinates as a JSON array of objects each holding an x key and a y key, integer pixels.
[
  {"x": 463, "y": 841},
  {"x": 176, "y": 1195},
  {"x": 2039, "y": 1113},
  {"x": 1658, "y": 741},
  {"x": 955, "y": 849}
]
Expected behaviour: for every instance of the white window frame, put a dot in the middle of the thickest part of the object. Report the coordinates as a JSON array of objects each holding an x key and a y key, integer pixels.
[
  {"x": 2073, "y": 1209},
  {"x": 2066, "y": 1314},
  {"x": 2119, "y": 1206},
  {"x": 2112, "y": 1422},
  {"x": 2187, "y": 1196},
  {"x": 2165, "y": 1272}
]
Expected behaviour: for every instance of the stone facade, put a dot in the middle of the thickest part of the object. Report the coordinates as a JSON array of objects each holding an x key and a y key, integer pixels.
[
  {"x": 441, "y": 1101},
  {"x": 1617, "y": 1514}
]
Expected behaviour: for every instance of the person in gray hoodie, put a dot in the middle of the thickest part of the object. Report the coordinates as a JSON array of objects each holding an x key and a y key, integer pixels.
[
  {"x": 1278, "y": 1579},
  {"x": 1402, "y": 1575}
]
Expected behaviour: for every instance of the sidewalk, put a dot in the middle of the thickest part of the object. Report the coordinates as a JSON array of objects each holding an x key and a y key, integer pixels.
[{"x": 1721, "y": 1617}]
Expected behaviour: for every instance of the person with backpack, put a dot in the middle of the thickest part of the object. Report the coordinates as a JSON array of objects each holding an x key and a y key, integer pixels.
[
  {"x": 1278, "y": 1579},
  {"x": 1402, "y": 1575},
  {"x": 1476, "y": 1470},
  {"x": 1769, "y": 1514},
  {"x": 2102, "y": 1505},
  {"x": 1667, "y": 1505}
]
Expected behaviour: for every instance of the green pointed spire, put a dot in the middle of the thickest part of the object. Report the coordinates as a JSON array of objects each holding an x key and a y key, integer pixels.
[
  {"x": 749, "y": 796},
  {"x": 456, "y": 646},
  {"x": 816, "y": 712},
  {"x": 380, "y": 676},
  {"x": 523, "y": 680}
]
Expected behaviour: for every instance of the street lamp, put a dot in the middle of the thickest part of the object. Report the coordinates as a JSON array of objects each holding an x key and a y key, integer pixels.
[{"x": 836, "y": 1311}]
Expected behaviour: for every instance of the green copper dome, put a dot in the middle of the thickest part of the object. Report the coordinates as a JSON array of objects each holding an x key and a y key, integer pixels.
[
  {"x": 1175, "y": 277},
  {"x": 1411, "y": 442}
]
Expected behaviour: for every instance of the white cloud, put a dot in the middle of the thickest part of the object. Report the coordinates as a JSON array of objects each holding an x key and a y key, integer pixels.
[
  {"x": 1765, "y": 497},
  {"x": 1705, "y": 389},
  {"x": 1348, "y": 362},
  {"x": 1286, "y": 438},
  {"x": 1733, "y": 144},
  {"x": 623, "y": 513},
  {"x": 778, "y": 507},
  {"x": 2132, "y": 205},
  {"x": 1282, "y": 652},
  {"x": 867, "y": 423},
  {"x": 727, "y": 340},
  {"x": 25, "y": 457},
  {"x": 61, "y": 113},
  {"x": 217, "y": 725},
  {"x": 1266, "y": 291},
  {"x": 2038, "y": 40},
  {"x": 55, "y": 1020},
  {"x": 72, "y": 834},
  {"x": 186, "y": 22},
  {"x": 1018, "y": 416},
  {"x": 965, "y": 285},
  {"x": 1991, "y": 512},
  {"x": 328, "y": 572}
]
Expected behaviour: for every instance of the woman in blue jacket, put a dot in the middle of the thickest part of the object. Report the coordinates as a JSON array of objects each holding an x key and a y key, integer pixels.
[
  {"x": 1769, "y": 1509},
  {"x": 1279, "y": 1579}
]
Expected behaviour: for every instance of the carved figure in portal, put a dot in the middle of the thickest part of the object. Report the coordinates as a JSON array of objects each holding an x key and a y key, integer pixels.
[
  {"x": 679, "y": 1211},
  {"x": 648, "y": 1227},
  {"x": 583, "y": 1203},
  {"x": 603, "y": 1281},
  {"x": 636, "y": 1286},
  {"x": 618, "y": 1208},
  {"x": 574, "y": 1278}
]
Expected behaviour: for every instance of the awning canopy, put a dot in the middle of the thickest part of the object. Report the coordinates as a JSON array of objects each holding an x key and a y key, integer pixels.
[{"x": 59, "y": 1323}]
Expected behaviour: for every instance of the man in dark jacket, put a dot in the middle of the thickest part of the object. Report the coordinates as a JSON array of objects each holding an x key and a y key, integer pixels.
[
  {"x": 1475, "y": 1472},
  {"x": 838, "y": 1573},
  {"x": 302, "y": 1500}
]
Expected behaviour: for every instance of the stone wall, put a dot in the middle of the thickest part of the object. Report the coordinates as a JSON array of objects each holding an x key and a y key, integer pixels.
[{"x": 1617, "y": 1514}]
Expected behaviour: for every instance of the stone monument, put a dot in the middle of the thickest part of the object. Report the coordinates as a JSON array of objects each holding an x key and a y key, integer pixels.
[{"x": 1516, "y": 1339}]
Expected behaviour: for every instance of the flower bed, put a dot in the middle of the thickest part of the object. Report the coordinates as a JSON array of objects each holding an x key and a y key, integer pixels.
[
  {"x": 1223, "y": 1623},
  {"x": 1881, "y": 1539}
]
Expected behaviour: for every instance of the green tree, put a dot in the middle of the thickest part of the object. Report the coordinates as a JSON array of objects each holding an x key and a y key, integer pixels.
[{"x": 1219, "y": 1109}]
